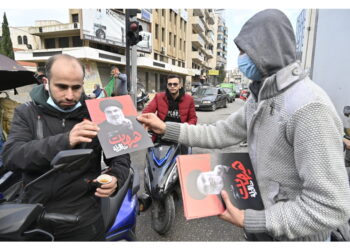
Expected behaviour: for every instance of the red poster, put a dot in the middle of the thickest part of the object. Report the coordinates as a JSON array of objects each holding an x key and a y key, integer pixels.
[
  {"x": 203, "y": 176},
  {"x": 120, "y": 132}
]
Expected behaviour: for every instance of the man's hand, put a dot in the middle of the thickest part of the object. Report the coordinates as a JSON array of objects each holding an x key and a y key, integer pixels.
[
  {"x": 231, "y": 214},
  {"x": 82, "y": 132},
  {"x": 116, "y": 72},
  {"x": 106, "y": 190},
  {"x": 151, "y": 122},
  {"x": 347, "y": 143}
]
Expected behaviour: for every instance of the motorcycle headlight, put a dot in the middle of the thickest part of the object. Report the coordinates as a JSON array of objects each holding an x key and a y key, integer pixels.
[
  {"x": 206, "y": 102},
  {"x": 172, "y": 178}
]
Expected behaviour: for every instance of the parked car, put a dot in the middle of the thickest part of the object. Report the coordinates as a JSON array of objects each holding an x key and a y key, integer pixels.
[
  {"x": 195, "y": 86},
  {"x": 230, "y": 89},
  {"x": 210, "y": 98}
]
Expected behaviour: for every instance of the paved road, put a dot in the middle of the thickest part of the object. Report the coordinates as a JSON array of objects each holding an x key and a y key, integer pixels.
[{"x": 205, "y": 229}]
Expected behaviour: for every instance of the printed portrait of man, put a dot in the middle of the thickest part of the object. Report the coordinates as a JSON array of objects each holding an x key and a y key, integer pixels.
[
  {"x": 120, "y": 132},
  {"x": 200, "y": 184},
  {"x": 115, "y": 119}
]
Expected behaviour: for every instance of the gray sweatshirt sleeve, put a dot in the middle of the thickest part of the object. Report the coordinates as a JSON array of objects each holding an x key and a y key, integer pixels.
[
  {"x": 324, "y": 202},
  {"x": 222, "y": 134}
]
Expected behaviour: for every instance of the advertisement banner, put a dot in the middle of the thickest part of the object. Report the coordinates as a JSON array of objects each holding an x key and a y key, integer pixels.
[
  {"x": 108, "y": 27},
  {"x": 92, "y": 77}
]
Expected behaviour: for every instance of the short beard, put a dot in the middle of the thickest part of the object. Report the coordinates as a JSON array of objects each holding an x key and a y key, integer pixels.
[{"x": 65, "y": 107}]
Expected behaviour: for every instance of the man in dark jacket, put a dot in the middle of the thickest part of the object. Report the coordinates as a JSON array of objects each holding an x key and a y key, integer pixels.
[{"x": 57, "y": 119}]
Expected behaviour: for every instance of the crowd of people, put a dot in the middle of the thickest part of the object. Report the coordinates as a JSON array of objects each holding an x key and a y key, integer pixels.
[{"x": 295, "y": 144}]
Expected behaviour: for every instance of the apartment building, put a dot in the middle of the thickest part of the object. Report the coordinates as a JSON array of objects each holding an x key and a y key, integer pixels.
[
  {"x": 221, "y": 45},
  {"x": 201, "y": 46},
  {"x": 175, "y": 41}
]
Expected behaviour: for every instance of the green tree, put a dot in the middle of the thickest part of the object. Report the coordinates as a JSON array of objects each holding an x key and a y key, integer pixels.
[{"x": 6, "y": 43}]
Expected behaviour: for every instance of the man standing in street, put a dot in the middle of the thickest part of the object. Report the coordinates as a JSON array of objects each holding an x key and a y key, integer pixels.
[
  {"x": 57, "y": 119},
  {"x": 120, "y": 83},
  {"x": 294, "y": 139}
]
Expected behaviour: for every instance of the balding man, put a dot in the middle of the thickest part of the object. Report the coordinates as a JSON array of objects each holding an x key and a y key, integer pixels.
[{"x": 57, "y": 119}]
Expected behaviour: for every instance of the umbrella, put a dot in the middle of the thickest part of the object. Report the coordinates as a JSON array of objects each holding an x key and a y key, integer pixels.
[{"x": 13, "y": 75}]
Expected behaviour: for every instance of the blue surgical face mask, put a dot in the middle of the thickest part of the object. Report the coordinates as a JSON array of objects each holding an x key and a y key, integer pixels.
[
  {"x": 248, "y": 68},
  {"x": 54, "y": 105}
]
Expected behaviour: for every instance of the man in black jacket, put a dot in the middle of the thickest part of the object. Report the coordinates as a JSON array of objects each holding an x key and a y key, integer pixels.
[{"x": 57, "y": 119}]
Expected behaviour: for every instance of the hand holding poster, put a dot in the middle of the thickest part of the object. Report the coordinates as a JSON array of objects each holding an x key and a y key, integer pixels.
[
  {"x": 203, "y": 176},
  {"x": 120, "y": 132}
]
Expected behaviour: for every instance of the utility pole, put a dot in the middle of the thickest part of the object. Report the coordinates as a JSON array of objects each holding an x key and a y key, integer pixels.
[{"x": 132, "y": 38}]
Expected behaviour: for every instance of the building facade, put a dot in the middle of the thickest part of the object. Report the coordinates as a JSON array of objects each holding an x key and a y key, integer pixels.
[{"x": 175, "y": 41}]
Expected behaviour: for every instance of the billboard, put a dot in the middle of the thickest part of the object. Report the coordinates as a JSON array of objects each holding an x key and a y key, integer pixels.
[{"x": 108, "y": 27}]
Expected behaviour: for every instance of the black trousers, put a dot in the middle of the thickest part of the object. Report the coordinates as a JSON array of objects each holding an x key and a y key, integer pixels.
[{"x": 93, "y": 232}]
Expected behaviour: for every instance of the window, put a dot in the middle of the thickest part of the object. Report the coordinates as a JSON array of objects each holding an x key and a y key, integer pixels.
[
  {"x": 180, "y": 44},
  {"x": 163, "y": 12},
  {"x": 50, "y": 43},
  {"x": 184, "y": 46},
  {"x": 155, "y": 56},
  {"x": 170, "y": 14},
  {"x": 175, "y": 41},
  {"x": 63, "y": 42},
  {"x": 19, "y": 40},
  {"x": 75, "y": 18},
  {"x": 25, "y": 40},
  {"x": 163, "y": 34},
  {"x": 156, "y": 31},
  {"x": 77, "y": 42},
  {"x": 170, "y": 34},
  {"x": 175, "y": 19}
]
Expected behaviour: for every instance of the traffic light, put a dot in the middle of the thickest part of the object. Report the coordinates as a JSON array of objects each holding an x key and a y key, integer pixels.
[{"x": 133, "y": 36}]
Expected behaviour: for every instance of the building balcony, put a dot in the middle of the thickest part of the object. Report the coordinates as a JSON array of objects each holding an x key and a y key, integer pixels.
[
  {"x": 210, "y": 18},
  {"x": 209, "y": 53},
  {"x": 78, "y": 52},
  {"x": 221, "y": 59},
  {"x": 198, "y": 12},
  {"x": 197, "y": 24},
  {"x": 57, "y": 29},
  {"x": 197, "y": 57},
  {"x": 197, "y": 41}
]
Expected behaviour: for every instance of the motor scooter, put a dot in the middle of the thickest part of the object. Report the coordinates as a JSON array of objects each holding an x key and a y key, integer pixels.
[
  {"x": 19, "y": 222},
  {"x": 142, "y": 98},
  {"x": 162, "y": 184}
]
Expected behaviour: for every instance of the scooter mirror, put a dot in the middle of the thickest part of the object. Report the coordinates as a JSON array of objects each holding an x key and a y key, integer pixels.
[
  {"x": 66, "y": 160},
  {"x": 67, "y": 157}
]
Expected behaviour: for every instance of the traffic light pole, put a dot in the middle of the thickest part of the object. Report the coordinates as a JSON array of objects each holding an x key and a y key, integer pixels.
[
  {"x": 131, "y": 57},
  {"x": 127, "y": 51}
]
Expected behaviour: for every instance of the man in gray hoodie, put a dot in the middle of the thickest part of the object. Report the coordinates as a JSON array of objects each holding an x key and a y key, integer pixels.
[{"x": 294, "y": 138}]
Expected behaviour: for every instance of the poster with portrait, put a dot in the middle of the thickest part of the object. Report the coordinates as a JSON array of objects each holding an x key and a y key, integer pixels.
[
  {"x": 203, "y": 176},
  {"x": 120, "y": 132}
]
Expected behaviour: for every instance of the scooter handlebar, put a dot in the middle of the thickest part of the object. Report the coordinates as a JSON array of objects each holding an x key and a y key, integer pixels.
[{"x": 60, "y": 218}]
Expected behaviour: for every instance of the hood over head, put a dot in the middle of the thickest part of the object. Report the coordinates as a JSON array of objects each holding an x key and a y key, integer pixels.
[{"x": 268, "y": 39}]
